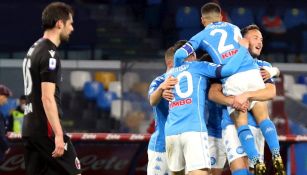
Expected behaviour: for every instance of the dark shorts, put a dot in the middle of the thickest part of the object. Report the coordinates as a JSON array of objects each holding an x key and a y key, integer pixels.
[{"x": 39, "y": 160}]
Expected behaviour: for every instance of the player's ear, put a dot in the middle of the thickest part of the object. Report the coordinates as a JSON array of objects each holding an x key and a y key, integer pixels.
[
  {"x": 203, "y": 20},
  {"x": 59, "y": 24}
]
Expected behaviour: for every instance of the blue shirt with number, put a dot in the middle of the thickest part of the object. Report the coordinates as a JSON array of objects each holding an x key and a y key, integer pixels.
[{"x": 220, "y": 40}]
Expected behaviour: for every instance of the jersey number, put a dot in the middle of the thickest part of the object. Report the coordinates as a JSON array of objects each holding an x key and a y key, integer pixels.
[
  {"x": 222, "y": 47},
  {"x": 27, "y": 76},
  {"x": 189, "y": 91}
]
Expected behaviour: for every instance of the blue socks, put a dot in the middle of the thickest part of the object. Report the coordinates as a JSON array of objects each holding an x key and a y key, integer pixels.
[
  {"x": 241, "y": 172},
  {"x": 270, "y": 134},
  {"x": 247, "y": 140}
]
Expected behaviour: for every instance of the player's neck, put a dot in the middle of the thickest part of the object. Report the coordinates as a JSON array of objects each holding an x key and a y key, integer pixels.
[{"x": 53, "y": 36}]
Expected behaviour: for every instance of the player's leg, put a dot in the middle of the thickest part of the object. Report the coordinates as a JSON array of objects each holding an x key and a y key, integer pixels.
[
  {"x": 174, "y": 155},
  {"x": 260, "y": 111},
  {"x": 217, "y": 155},
  {"x": 196, "y": 152},
  {"x": 245, "y": 135},
  {"x": 236, "y": 156},
  {"x": 259, "y": 144},
  {"x": 156, "y": 163},
  {"x": 34, "y": 163}
]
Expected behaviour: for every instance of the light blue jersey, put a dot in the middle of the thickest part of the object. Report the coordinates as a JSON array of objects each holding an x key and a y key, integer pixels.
[
  {"x": 220, "y": 40},
  {"x": 215, "y": 113},
  {"x": 251, "y": 119},
  {"x": 157, "y": 139},
  {"x": 187, "y": 110}
]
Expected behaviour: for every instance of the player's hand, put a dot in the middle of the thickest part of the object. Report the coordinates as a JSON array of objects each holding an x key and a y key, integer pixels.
[
  {"x": 243, "y": 42},
  {"x": 59, "y": 146},
  {"x": 240, "y": 100},
  {"x": 168, "y": 94},
  {"x": 265, "y": 74},
  {"x": 169, "y": 83}
]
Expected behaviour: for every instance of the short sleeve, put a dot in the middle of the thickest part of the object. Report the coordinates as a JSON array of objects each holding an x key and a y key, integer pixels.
[
  {"x": 155, "y": 84},
  {"x": 49, "y": 67}
]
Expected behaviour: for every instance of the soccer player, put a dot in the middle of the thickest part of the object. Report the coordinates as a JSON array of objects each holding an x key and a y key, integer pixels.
[
  {"x": 48, "y": 150},
  {"x": 236, "y": 157},
  {"x": 156, "y": 148},
  {"x": 219, "y": 39},
  {"x": 185, "y": 128}
]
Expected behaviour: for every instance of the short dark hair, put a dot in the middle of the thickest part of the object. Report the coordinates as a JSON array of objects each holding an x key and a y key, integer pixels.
[
  {"x": 210, "y": 7},
  {"x": 248, "y": 28},
  {"x": 53, "y": 12},
  {"x": 179, "y": 44},
  {"x": 5, "y": 91},
  {"x": 205, "y": 57}
]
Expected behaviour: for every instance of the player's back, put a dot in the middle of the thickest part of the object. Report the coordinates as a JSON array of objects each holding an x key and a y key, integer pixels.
[
  {"x": 160, "y": 111},
  {"x": 221, "y": 41},
  {"x": 187, "y": 110},
  {"x": 40, "y": 60}
]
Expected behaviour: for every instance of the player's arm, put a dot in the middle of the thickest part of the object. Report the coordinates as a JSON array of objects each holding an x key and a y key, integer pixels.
[
  {"x": 268, "y": 93},
  {"x": 157, "y": 88},
  {"x": 215, "y": 94},
  {"x": 267, "y": 71},
  {"x": 48, "y": 74},
  {"x": 187, "y": 49}
]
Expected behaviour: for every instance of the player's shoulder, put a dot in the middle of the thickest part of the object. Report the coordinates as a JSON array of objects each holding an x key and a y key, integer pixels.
[
  {"x": 262, "y": 63},
  {"x": 44, "y": 48},
  {"x": 158, "y": 80}
]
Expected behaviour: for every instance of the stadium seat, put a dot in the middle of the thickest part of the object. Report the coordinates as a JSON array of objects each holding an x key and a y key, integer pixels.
[
  {"x": 105, "y": 78},
  {"x": 294, "y": 17},
  {"x": 187, "y": 17},
  {"x": 302, "y": 79},
  {"x": 92, "y": 89},
  {"x": 297, "y": 91},
  {"x": 187, "y": 33},
  {"x": 242, "y": 16},
  {"x": 78, "y": 79},
  {"x": 129, "y": 79},
  {"x": 118, "y": 107},
  {"x": 115, "y": 86},
  {"x": 288, "y": 82},
  {"x": 304, "y": 100},
  {"x": 104, "y": 100}
]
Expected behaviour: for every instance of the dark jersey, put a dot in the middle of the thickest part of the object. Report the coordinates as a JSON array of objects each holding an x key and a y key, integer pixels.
[{"x": 41, "y": 64}]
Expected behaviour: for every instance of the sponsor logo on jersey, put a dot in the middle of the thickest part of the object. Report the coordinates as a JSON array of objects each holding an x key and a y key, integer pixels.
[
  {"x": 270, "y": 129},
  {"x": 52, "y": 63},
  {"x": 181, "y": 102},
  {"x": 248, "y": 137},
  {"x": 229, "y": 53}
]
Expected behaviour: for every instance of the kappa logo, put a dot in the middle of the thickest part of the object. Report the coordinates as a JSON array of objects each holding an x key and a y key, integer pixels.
[
  {"x": 65, "y": 146},
  {"x": 52, "y": 53},
  {"x": 269, "y": 129},
  {"x": 248, "y": 137}
]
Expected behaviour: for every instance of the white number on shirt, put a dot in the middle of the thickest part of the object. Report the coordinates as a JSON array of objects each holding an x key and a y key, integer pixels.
[
  {"x": 221, "y": 46},
  {"x": 189, "y": 92},
  {"x": 27, "y": 76}
]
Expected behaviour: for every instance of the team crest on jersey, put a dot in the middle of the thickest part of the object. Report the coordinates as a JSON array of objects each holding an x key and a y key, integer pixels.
[
  {"x": 77, "y": 163},
  {"x": 52, "y": 63}
]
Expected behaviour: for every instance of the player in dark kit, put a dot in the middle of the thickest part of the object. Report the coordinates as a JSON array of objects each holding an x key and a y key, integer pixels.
[{"x": 47, "y": 149}]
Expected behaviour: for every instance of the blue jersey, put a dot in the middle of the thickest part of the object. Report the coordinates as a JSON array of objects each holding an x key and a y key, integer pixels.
[
  {"x": 157, "y": 139},
  {"x": 251, "y": 120},
  {"x": 220, "y": 40},
  {"x": 215, "y": 113}
]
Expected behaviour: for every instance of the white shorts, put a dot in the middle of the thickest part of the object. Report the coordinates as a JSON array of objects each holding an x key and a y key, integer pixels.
[
  {"x": 156, "y": 163},
  {"x": 234, "y": 149},
  {"x": 188, "y": 150},
  {"x": 217, "y": 152},
  {"x": 242, "y": 82}
]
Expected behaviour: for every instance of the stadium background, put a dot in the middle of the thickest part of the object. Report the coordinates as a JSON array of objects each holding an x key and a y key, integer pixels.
[{"x": 117, "y": 49}]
